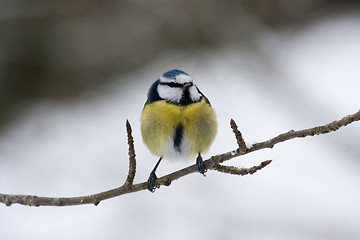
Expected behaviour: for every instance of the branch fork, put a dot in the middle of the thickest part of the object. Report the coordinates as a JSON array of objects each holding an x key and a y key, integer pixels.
[{"x": 214, "y": 163}]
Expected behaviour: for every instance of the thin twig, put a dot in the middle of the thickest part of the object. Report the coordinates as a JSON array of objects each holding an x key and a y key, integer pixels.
[
  {"x": 132, "y": 160},
  {"x": 331, "y": 127},
  {"x": 240, "y": 171},
  {"x": 210, "y": 164},
  {"x": 239, "y": 139}
]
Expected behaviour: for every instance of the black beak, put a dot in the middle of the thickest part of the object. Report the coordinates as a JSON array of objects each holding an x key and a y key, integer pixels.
[{"x": 187, "y": 85}]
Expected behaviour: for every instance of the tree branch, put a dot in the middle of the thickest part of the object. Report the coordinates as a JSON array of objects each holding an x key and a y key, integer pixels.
[{"x": 212, "y": 164}]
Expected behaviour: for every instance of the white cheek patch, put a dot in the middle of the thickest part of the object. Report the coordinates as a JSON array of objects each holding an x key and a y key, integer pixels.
[
  {"x": 169, "y": 94},
  {"x": 194, "y": 93}
]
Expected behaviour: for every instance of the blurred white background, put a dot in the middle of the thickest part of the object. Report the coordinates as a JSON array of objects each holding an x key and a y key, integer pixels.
[{"x": 286, "y": 78}]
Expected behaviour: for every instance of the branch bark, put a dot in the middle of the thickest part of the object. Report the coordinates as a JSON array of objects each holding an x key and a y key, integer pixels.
[
  {"x": 132, "y": 160},
  {"x": 212, "y": 163}
]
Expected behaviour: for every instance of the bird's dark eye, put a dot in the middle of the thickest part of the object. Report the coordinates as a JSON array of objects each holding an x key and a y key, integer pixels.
[{"x": 174, "y": 85}]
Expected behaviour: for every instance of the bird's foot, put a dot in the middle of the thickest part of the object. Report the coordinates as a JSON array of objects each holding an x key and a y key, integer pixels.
[
  {"x": 200, "y": 165},
  {"x": 151, "y": 182}
]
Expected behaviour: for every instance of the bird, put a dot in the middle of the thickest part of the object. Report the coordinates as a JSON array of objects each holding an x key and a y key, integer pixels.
[{"x": 177, "y": 121}]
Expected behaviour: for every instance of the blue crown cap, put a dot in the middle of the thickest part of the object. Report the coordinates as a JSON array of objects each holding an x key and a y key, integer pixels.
[{"x": 173, "y": 73}]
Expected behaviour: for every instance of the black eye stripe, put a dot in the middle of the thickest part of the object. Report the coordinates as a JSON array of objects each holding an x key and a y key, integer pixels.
[{"x": 173, "y": 85}]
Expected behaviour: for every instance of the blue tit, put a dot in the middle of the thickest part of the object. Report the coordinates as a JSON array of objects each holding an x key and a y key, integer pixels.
[{"x": 177, "y": 121}]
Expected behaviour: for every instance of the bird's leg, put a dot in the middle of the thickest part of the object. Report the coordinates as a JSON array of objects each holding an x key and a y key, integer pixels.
[
  {"x": 200, "y": 165},
  {"x": 152, "y": 178}
]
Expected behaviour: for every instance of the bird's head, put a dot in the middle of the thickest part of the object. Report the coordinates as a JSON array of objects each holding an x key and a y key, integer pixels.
[{"x": 177, "y": 87}]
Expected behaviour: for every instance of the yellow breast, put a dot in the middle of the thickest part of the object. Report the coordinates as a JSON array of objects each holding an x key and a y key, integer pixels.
[{"x": 160, "y": 120}]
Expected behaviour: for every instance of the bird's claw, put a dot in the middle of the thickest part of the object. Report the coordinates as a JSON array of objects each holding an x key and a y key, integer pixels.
[
  {"x": 200, "y": 165},
  {"x": 151, "y": 182}
]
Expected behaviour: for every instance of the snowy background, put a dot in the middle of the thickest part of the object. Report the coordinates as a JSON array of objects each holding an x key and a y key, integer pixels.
[{"x": 292, "y": 78}]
